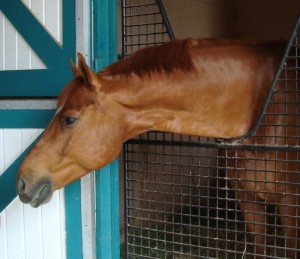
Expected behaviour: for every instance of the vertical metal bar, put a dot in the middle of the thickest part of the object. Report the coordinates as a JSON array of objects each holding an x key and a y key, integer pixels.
[
  {"x": 135, "y": 34},
  {"x": 165, "y": 19},
  {"x": 277, "y": 76},
  {"x": 123, "y": 14},
  {"x": 107, "y": 179},
  {"x": 125, "y": 149}
]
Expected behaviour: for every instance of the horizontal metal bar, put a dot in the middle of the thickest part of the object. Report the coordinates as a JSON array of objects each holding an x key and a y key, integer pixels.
[
  {"x": 141, "y": 14},
  {"x": 145, "y": 34},
  {"x": 143, "y": 24},
  {"x": 290, "y": 68},
  {"x": 144, "y": 44},
  {"x": 138, "y": 5},
  {"x": 215, "y": 145}
]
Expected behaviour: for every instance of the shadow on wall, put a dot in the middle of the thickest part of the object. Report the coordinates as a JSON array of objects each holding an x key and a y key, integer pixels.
[{"x": 247, "y": 19}]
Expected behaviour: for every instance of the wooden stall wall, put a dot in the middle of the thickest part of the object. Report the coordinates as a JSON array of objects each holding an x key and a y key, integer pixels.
[
  {"x": 264, "y": 19},
  {"x": 201, "y": 18},
  {"x": 247, "y": 19},
  {"x": 26, "y": 232}
]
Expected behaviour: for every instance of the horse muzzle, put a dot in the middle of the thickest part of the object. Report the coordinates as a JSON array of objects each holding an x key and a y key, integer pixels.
[{"x": 35, "y": 194}]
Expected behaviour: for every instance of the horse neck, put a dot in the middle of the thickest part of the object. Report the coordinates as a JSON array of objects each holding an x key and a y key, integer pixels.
[
  {"x": 166, "y": 105},
  {"x": 221, "y": 104}
]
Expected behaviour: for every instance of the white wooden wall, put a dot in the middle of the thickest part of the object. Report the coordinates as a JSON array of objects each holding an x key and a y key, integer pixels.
[
  {"x": 25, "y": 232},
  {"x": 14, "y": 51}
]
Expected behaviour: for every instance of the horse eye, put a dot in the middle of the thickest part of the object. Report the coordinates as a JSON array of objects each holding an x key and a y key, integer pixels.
[{"x": 69, "y": 121}]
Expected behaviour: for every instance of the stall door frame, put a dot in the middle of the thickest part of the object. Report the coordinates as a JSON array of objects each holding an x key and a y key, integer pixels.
[{"x": 40, "y": 83}]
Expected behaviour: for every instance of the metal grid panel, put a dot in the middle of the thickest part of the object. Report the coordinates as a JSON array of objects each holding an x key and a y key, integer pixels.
[
  {"x": 181, "y": 199},
  {"x": 144, "y": 23},
  {"x": 279, "y": 122},
  {"x": 176, "y": 204},
  {"x": 192, "y": 197}
]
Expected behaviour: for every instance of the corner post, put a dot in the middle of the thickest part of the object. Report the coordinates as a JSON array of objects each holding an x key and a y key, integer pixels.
[{"x": 105, "y": 51}]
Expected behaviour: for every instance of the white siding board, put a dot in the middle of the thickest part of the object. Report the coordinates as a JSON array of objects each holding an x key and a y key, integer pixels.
[
  {"x": 37, "y": 7},
  {"x": 51, "y": 228},
  {"x": 32, "y": 217},
  {"x": 33, "y": 232},
  {"x": 53, "y": 18},
  {"x": 10, "y": 43},
  {"x": 12, "y": 146},
  {"x": 48, "y": 13},
  {"x": 24, "y": 54},
  {"x": 15, "y": 52},
  {"x": 2, "y": 51},
  {"x": 28, "y": 136},
  {"x": 26, "y": 232},
  {"x": 35, "y": 62},
  {"x": 2, "y": 151},
  {"x": 15, "y": 231},
  {"x": 3, "y": 236}
]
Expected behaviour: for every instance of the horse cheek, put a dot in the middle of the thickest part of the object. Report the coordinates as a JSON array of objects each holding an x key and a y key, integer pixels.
[{"x": 110, "y": 146}]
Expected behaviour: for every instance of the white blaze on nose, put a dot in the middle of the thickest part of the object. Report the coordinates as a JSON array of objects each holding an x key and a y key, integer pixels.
[{"x": 58, "y": 110}]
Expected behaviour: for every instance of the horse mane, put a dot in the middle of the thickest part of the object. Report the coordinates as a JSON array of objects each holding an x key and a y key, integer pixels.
[{"x": 173, "y": 55}]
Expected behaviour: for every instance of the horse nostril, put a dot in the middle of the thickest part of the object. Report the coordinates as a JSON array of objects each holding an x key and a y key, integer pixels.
[{"x": 21, "y": 185}]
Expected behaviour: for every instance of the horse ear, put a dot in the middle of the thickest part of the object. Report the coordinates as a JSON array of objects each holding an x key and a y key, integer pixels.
[
  {"x": 75, "y": 69},
  {"x": 86, "y": 73}
]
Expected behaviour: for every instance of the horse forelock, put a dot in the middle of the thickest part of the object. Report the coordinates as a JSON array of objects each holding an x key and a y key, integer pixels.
[
  {"x": 67, "y": 94},
  {"x": 166, "y": 58},
  {"x": 62, "y": 98}
]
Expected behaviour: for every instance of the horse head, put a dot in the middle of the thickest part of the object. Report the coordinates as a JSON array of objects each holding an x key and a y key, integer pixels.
[{"x": 66, "y": 150}]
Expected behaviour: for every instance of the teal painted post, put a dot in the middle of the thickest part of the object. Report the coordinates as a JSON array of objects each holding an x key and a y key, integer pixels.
[
  {"x": 73, "y": 221},
  {"x": 105, "y": 32},
  {"x": 107, "y": 212},
  {"x": 107, "y": 179}
]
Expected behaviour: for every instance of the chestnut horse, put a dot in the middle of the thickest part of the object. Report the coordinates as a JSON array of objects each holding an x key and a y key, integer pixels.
[{"x": 209, "y": 88}]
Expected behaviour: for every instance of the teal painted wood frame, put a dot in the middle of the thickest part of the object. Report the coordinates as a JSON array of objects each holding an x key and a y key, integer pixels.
[
  {"x": 105, "y": 41},
  {"x": 48, "y": 82},
  {"x": 25, "y": 119},
  {"x": 41, "y": 119}
]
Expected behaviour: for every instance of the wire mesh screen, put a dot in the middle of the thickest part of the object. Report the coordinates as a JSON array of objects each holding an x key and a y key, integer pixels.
[
  {"x": 177, "y": 205},
  {"x": 145, "y": 23},
  {"x": 193, "y": 197}
]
